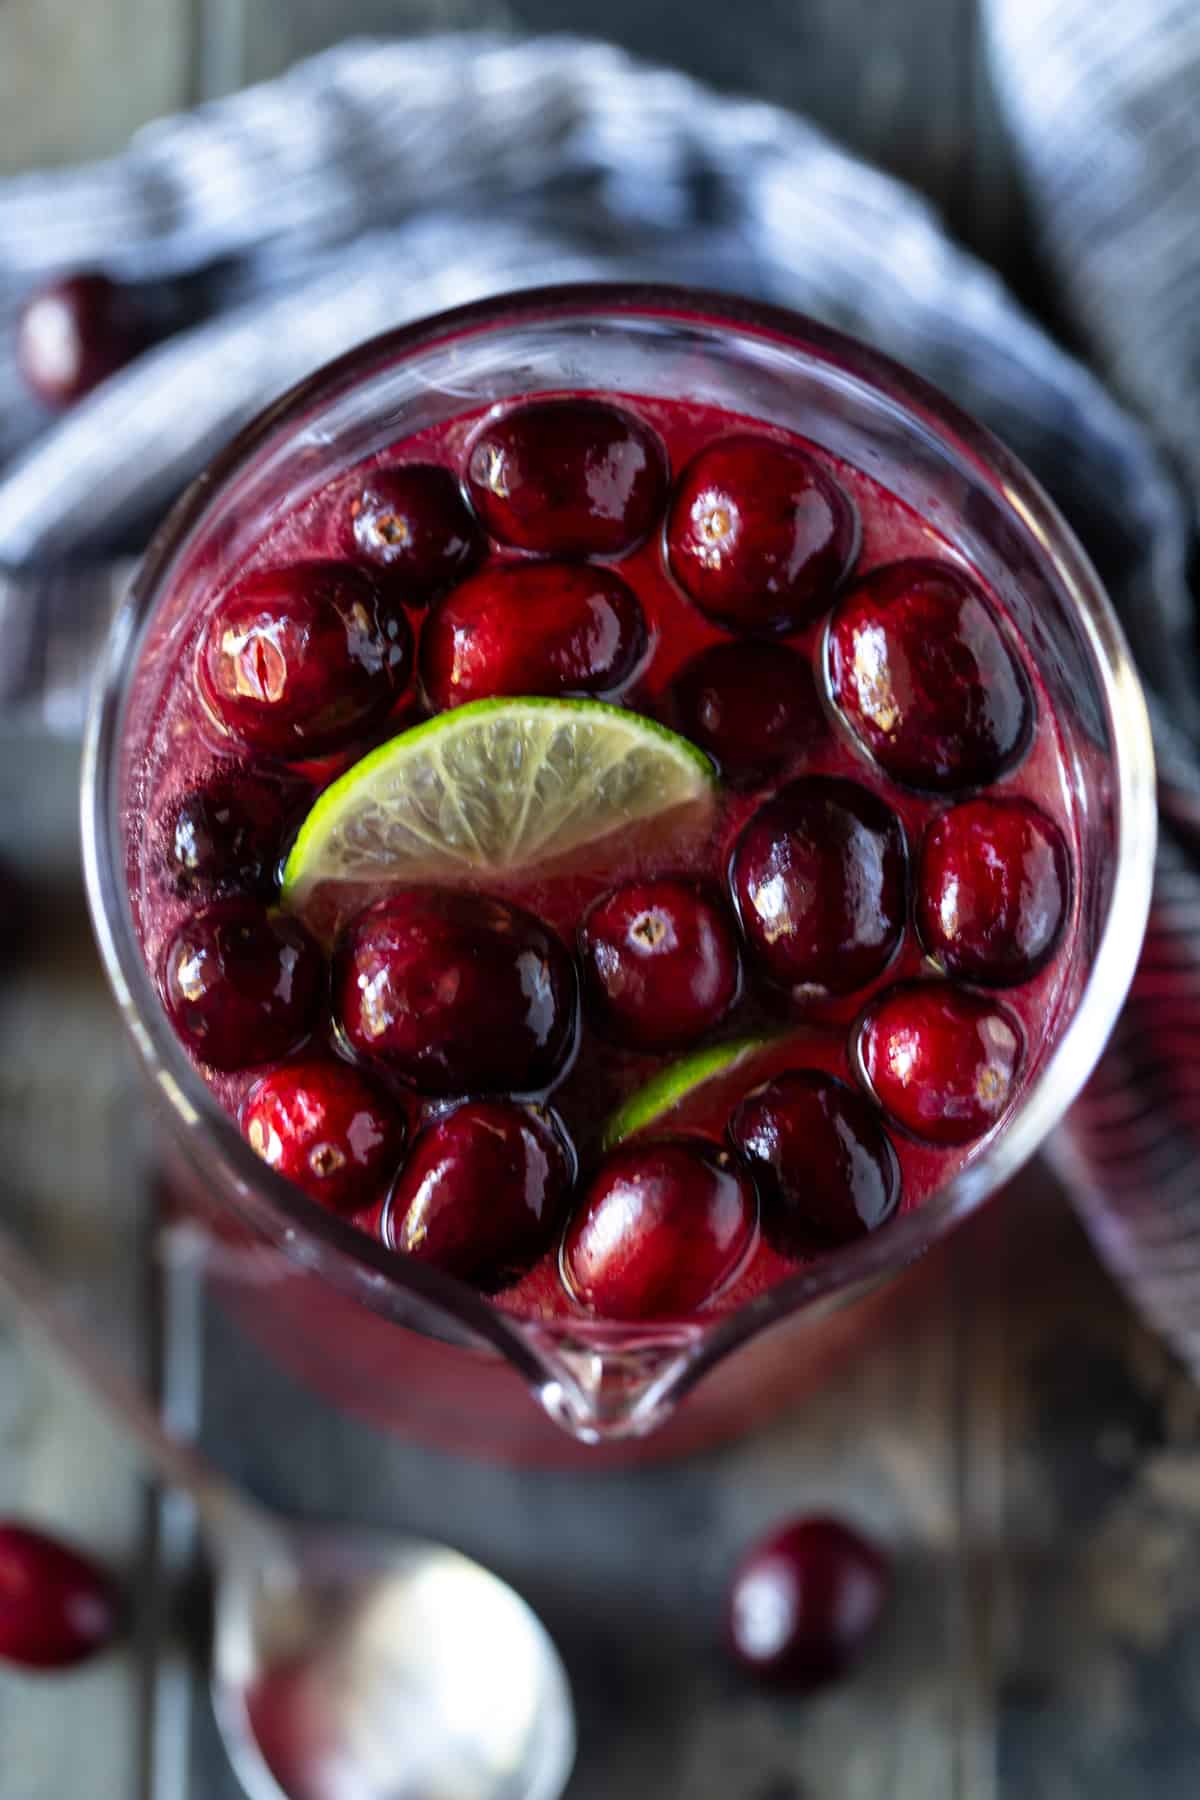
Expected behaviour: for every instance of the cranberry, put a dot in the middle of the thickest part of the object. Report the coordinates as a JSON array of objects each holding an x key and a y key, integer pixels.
[
  {"x": 532, "y": 628},
  {"x": 413, "y": 522},
  {"x": 228, "y": 835},
  {"x": 993, "y": 890},
  {"x": 805, "y": 1602},
  {"x": 662, "y": 1229},
  {"x": 302, "y": 660},
  {"x": 826, "y": 1170},
  {"x": 483, "y": 1191},
  {"x": 943, "y": 1063},
  {"x": 56, "y": 1607},
  {"x": 819, "y": 877},
  {"x": 241, "y": 984},
  {"x": 660, "y": 963},
  {"x": 568, "y": 478},
  {"x": 923, "y": 676},
  {"x": 74, "y": 333},
  {"x": 326, "y": 1128},
  {"x": 457, "y": 992},
  {"x": 760, "y": 536},
  {"x": 751, "y": 705}
]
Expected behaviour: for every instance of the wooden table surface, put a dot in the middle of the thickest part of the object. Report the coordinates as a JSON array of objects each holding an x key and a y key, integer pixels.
[{"x": 1030, "y": 1451}]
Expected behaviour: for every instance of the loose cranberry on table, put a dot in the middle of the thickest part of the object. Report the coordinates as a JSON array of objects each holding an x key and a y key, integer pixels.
[
  {"x": 942, "y": 1062},
  {"x": 456, "y": 992},
  {"x": 74, "y": 333},
  {"x": 661, "y": 1229},
  {"x": 483, "y": 1191},
  {"x": 228, "y": 835},
  {"x": 922, "y": 674},
  {"x": 805, "y": 1602},
  {"x": 826, "y": 1170},
  {"x": 660, "y": 963},
  {"x": 993, "y": 890},
  {"x": 532, "y": 628},
  {"x": 760, "y": 536},
  {"x": 413, "y": 522},
  {"x": 300, "y": 661},
  {"x": 328, "y": 1129},
  {"x": 819, "y": 879},
  {"x": 568, "y": 478},
  {"x": 241, "y": 984},
  {"x": 56, "y": 1607},
  {"x": 751, "y": 705}
]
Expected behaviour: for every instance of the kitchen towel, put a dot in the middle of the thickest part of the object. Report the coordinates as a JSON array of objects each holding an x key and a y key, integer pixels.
[{"x": 387, "y": 180}]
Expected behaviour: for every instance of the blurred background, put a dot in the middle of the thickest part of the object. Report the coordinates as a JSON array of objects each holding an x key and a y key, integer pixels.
[
  {"x": 905, "y": 84},
  {"x": 1027, "y": 1447}
]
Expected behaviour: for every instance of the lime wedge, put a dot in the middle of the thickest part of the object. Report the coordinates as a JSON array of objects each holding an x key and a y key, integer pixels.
[
  {"x": 673, "y": 1084},
  {"x": 496, "y": 786}
]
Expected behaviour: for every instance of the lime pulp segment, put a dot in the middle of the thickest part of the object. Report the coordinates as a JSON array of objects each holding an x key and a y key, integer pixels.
[{"x": 496, "y": 785}]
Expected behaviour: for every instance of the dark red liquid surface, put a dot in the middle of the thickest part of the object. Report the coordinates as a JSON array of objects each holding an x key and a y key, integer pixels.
[{"x": 187, "y": 748}]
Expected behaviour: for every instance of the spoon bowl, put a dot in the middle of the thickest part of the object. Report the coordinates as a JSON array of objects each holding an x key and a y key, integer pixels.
[{"x": 357, "y": 1667}]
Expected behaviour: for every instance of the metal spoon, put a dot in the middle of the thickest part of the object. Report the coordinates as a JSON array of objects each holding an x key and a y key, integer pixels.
[{"x": 346, "y": 1666}]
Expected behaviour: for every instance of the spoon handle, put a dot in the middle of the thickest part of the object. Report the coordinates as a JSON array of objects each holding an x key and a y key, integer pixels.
[{"x": 226, "y": 1514}]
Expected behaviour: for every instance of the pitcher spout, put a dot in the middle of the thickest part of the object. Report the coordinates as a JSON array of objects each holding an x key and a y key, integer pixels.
[{"x": 600, "y": 1393}]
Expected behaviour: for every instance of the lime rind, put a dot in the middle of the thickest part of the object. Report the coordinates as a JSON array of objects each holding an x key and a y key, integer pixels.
[
  {"x": 497, "y": 785},
  {"x": 665, "y": 1090}
]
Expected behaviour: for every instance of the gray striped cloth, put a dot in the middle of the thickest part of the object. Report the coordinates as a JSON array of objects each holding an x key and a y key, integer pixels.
[{"x": 387, "y": 180}]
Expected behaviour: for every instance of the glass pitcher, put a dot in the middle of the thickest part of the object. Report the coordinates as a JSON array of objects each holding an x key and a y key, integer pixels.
[{"x": 398, "y": 1342}]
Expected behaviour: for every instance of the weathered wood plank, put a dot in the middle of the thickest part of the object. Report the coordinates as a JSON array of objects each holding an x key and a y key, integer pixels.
[
  {"x": 76, "y": 80},
  {"x": 1093, "y": 1553},
  {"x": 71, "y": 1187}
]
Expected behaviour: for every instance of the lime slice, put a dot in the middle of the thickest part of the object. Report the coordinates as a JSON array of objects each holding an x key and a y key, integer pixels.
[
  {"x": 496, "y": 786},
  {"x": 673, "y": 1084}
]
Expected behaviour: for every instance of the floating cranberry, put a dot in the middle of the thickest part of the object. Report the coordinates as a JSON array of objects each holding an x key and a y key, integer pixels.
[
  {"x": 826, "y": 1170},
  {"x": 74, "y": 333},
  {"x": 457, "y": 992},
  {"x": 56, "y": 1607},
  {"x": 819, "y": 879},
  {"x": 228, "y": 836},
  {"x": 751, "y": 705},
  {"x": 661, "y": 1230},
  {"x": 325, "y": 1127},
  {"x": 943, "y": 1063},
  {"x": 660, "y": 963},
  {"x": 924, "y": 678},
  {"x": 760, "y": 536},
  {"x": 993, "y": 890},
  {"x": 413, "y": 522},
  {"x": 532, "y": 628},
  {"x": 241, "y": 984},
  {"x": 302, "y": 660},
  {"x": 483, "y": 1192},
  {"x": 568, "y": 478},
  {"x": 806, "y": 1601}
]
